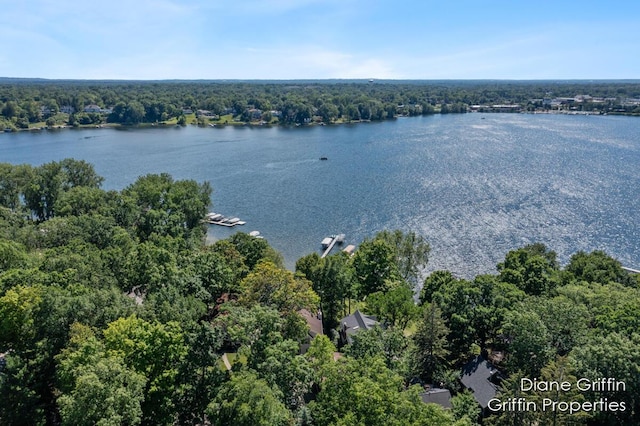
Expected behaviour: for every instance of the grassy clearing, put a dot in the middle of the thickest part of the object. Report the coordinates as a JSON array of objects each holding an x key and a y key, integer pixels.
[{"x": 233, "y": 358}]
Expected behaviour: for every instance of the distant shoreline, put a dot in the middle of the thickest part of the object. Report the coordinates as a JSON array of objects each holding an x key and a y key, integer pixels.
[
  {"x": 40, "y": 104},
  {"x": 116, "y": 126}
]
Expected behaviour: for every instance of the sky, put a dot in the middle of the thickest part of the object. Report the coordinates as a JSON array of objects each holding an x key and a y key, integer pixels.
[{"x": 320, "y": 39}]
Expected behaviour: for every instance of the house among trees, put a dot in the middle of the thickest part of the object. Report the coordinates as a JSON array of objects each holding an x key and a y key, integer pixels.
[
  {"x": 314, "y": 321},
  {"x": 354, "y": 323},
  {"x": 96, "y": 109},
  {"x": 439, "y": 396},
  {"x": 92, "y": 108},
  {"x": 482, "y": 379}
]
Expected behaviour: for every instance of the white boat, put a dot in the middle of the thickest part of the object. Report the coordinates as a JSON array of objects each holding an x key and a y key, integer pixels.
[
  {"x": 254, "y": 233},
  {"x": 325, "y": 243},
  {"x": 218, "y": 219}
]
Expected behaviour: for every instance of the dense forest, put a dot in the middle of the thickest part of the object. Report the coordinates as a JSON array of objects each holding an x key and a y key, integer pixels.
[
  {"x": 114, "y": 311},
  {"x": 29, "y": 103}
]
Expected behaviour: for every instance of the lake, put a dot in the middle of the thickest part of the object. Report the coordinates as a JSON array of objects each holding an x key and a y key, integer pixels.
[{"x": 475, "y": 185}]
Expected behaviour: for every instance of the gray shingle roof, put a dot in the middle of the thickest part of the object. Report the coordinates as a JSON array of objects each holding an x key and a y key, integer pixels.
[
  {"x": 477, "y": 376},
  {"x": 438, "y": 396},
  {"x": 355, "y": 322}
]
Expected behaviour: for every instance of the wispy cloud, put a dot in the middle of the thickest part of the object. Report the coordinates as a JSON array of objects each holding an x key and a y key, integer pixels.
[
  {"x": 270, "y": 7},
  {"x": 315, "y": 39}
]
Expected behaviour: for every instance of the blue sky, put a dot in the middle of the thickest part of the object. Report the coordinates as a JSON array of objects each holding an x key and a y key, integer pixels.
[{"x": 317, "y": 39}]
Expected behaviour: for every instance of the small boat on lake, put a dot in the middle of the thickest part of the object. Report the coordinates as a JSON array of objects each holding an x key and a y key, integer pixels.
[{"x": 323, "y": 158}]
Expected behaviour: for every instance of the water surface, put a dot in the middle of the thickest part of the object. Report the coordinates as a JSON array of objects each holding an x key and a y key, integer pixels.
[{"x": 475, "y": 185}]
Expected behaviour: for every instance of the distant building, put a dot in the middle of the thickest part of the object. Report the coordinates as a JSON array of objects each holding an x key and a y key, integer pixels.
[
  {"x": 206, "y": 113},
  {"x": 254, "y": 113},
  {"x": 506, "y": 108},
  {"x": 67, "y": 109},
  {"x": 92, "y": 108}
]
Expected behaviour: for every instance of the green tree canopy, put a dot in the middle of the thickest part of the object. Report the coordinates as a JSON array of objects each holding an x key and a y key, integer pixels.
[
  {"x": 411, "y": 253},
  {"x": 532, "y": 269},
  {"x": 154, "y": 350},
  {"x": 597, "y": 267},
  {"x": 246, "y": 400},
  {"x": 278, "y": 288},
  {"x": 366, "y": 392},
  {"x": 97, "y": 388},
  {"x": 375, "y": 266}
]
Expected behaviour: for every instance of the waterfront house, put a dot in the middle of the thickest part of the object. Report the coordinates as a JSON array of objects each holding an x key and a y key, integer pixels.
[
  {"x": 432, "y": 395},
  {"x": 482, "y": 379},
  {"x": 92, "y": 108},
  {"x": 355, "y": 323},
  {"x": 314, "y": 321}
]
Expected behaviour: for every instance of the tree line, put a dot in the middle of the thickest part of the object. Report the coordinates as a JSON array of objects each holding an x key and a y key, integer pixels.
[
  {"x": 114, "y": 311},
  {"x": 58, "y": 102}
]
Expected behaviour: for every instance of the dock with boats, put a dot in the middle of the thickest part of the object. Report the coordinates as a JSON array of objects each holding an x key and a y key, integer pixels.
[
  {"x": 329, "y": 242},
  {"x": 220, "y": 220}
]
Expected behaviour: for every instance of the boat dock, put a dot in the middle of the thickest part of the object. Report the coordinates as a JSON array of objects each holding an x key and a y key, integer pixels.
[
  {"x": 349, "y": 249},
  {"x": 218, "y": 219},
  {"x": 631, "y": 270},
  {"x": 329, "y": 242}
]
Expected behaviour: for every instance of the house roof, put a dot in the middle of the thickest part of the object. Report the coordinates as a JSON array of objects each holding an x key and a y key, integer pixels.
[
  {"x": 358, "y": 321},
  {"x": 438, "y": 396},
  {"x": 313, "y": 321},
  {"x": 477, "y": 376}
]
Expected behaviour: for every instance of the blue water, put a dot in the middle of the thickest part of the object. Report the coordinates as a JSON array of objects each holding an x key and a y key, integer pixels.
[{"x": 475, "y": 185}]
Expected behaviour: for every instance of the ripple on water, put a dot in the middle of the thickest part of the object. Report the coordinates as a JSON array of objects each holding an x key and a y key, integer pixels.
[{"x": 474, "y": 188}]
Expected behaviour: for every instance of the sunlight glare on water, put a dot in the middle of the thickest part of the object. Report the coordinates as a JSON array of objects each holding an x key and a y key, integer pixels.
[{"x": 475, "y": 185}]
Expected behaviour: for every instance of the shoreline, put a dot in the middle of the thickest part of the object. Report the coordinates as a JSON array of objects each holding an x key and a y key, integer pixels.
[{"x": 38, "y": 128}]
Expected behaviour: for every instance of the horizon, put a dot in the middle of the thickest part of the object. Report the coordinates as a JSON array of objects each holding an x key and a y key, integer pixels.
[
  {"x": 160, "y": 40},
  {"x": 326, "y": 80}
]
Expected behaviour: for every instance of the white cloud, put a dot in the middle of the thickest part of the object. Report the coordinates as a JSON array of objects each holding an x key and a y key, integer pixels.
[
  {"x": 285, "y": 39},
  {"x": 301, "y": 62}
]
